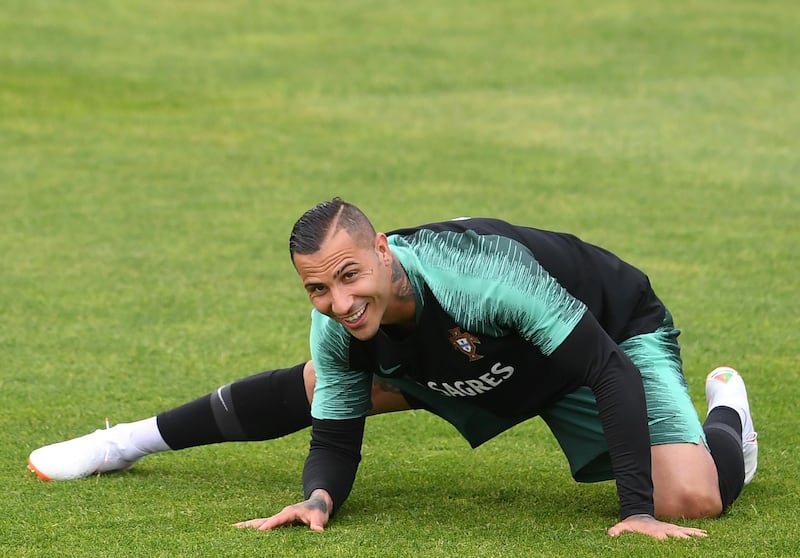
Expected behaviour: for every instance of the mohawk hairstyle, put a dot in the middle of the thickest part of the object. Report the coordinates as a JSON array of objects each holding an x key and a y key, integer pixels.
[{"x": 324, "y": 219}]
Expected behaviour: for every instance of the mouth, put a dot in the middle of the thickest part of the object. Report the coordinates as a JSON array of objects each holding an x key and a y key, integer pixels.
[{"x": 356, "y": 318}]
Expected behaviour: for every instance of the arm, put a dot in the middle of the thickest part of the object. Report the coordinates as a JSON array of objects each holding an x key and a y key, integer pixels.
[
  {"x": 328, "y": 475},
  {"x": 333, "y": 458},
  {"x": 340, "y": 403},
  {"x": 495, "y": 284},
  {"x": 617, "y": 386}
]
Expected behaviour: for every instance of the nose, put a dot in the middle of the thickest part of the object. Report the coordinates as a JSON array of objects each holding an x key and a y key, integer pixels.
[{"x": 341, "y": 302}]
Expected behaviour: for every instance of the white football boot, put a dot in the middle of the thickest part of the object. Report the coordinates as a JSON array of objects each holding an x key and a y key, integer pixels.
[
  {"x": 725, "y": 386},
  {"x": 102, "y": 451}
]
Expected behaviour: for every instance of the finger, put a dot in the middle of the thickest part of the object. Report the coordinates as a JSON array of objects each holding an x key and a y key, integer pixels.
[
  {"x": 699, "y": 532},
  {"x": 685, "y": 533},
  {"x": 618, "y": 529},
  {"x": 689, "y": 532},
  {"x": 316, "y": 525},
  {"x": 252, "y": 523},
  {"x": 285, "y": 517},
  {"x": 265, "y": 523}
]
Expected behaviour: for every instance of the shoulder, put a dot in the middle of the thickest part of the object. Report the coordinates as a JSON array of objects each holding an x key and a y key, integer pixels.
[
  {"x": 464, "y": 254},
  {"x": 474, "y": 225},
  {"x": 329, "y": 341},
  {"x": 339, "y": 392}
]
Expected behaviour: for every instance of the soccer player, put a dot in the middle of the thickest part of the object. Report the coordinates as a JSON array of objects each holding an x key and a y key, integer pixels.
[{"x": 488, "y": 324}]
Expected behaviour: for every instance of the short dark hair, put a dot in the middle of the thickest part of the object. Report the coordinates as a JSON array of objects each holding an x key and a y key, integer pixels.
[{"x": 327, "y": 217}]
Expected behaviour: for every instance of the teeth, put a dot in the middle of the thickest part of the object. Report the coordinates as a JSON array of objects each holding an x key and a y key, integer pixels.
[{"x": 355, "y": 317}]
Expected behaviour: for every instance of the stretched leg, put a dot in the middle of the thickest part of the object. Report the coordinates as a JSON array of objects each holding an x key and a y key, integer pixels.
[
  {"x": 265, "y": 406},
  {"x": 260, "y": 407}
]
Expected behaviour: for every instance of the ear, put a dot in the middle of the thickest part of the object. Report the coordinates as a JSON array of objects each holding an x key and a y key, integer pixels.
[{"x": 382, "y": 248}]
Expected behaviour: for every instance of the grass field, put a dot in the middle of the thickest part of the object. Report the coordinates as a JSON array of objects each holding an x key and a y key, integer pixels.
[{"x": 154, "y": 155}]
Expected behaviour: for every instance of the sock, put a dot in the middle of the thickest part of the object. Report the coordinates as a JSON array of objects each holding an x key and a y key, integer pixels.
[
  {"x": 265, "y": 406},
  {"x": 140, "y": 438},
  {"x": 723, "y": 429}
]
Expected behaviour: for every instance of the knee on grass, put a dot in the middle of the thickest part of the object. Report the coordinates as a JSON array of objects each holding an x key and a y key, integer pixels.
[{"x": 688, "y": 502}]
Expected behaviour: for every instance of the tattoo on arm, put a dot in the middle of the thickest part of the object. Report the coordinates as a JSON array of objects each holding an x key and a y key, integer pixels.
[{"x": 385, "y": 386}]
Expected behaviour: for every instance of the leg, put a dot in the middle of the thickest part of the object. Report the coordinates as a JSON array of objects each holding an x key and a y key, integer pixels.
[
  {"x": 260, "y": 407},
  {"x": 264, "y": 406},
  {"x": 718, "y": 475},
  {"x": 689, "y": 461},
  {"x": 697, "y": 470},
  {"x": 575, "y": 423},
  {"x": 681, "y": 495},
  {"x": 733, "y": 455},
  {"x": 688, "y": 480}
]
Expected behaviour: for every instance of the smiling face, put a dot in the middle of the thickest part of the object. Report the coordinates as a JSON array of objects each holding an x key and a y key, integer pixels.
[{"x": 352, "y": 282}]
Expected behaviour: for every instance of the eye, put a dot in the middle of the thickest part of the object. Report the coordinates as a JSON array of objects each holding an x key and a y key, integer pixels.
[
  {"x": 349, "y": 275},
  {"x": 316, "y": 290}
]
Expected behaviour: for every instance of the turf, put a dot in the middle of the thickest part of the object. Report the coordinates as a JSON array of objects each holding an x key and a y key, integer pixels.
[{"x": 154, "y": 155}]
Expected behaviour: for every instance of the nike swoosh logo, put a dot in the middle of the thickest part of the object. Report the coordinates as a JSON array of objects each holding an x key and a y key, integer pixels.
[
  {"x": 388, "y": 370},
  {"x": 651, "y": 422}
]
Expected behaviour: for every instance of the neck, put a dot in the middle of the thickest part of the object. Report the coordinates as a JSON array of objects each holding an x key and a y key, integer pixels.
[{"x": 404, "y": 302}]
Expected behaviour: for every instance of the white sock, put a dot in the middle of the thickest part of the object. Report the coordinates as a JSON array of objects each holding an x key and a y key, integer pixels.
[{"x": 140, "y": 438}]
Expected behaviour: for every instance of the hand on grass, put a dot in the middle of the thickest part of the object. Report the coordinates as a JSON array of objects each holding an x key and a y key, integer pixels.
[
  {"x": 313, "y": 512},
  {"x": 649, "y": 525}
]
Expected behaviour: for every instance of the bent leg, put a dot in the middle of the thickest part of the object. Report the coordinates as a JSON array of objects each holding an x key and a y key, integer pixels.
[
  {"x": 724, "y": 434},
  {"x": 685, "y": 482}
]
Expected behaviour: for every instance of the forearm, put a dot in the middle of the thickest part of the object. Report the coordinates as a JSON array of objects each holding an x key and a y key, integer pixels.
[
  {"x": 618, "y": 389},
  {"x": 333, "y": 459},
  {"x": 623, "y": 413}
]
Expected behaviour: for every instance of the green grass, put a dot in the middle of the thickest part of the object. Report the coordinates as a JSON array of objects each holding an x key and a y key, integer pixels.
[{"x": 154, "y": 155}]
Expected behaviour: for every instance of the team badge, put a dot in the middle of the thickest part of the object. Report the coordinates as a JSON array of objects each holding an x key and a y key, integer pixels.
[{"x": 465, "y": 342}]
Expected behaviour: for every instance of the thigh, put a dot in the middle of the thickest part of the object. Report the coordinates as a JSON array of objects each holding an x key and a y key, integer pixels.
[
  {"x": 672, "y": 418},
  {"x": 671, "y": 414},
  {"x": 575, "y": 423},
  {"x": 685, "y": 483}
]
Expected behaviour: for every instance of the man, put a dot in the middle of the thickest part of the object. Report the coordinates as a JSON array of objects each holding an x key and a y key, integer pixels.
[{"x": 486, "y": 325}]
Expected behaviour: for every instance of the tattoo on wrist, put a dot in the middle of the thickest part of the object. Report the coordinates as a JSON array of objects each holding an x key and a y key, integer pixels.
[{"x": 317, "y": 503}]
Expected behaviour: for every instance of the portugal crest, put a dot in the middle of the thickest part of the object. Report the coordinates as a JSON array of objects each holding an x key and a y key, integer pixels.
[{"x": 465, "y": 342}]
